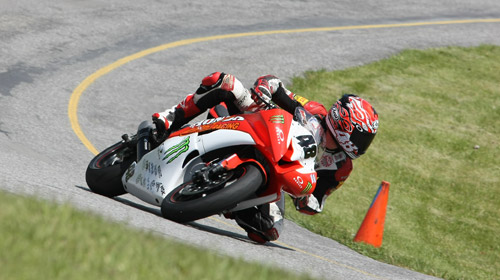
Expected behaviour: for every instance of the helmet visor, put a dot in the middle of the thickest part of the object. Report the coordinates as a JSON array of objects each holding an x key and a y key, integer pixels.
[{"x": 361, "y": 140}]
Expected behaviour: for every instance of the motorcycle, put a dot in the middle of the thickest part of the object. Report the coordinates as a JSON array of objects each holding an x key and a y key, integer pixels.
[{"x": 214, "y": 166}]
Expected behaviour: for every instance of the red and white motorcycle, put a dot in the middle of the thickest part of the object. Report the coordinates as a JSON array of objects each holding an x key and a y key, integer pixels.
[{"x": 213, "y": 166}]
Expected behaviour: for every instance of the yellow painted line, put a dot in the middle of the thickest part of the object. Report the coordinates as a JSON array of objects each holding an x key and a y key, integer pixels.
[
  {"x": 77, "y": 93},
  {"x": 305, "y": 252}
]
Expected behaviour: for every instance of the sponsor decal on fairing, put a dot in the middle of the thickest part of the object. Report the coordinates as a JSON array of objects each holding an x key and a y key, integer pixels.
[
  {"x": 176, "y": 150},
  {"x": 277, "y": 119}
]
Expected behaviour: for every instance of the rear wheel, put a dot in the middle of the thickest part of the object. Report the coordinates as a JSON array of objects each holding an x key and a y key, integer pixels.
[
  {"x": 104, "y": 172},
  {"x": 198, "y": 199}
]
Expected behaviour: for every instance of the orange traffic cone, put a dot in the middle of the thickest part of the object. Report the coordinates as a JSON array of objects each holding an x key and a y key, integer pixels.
[{"x": 372, "y": 228}]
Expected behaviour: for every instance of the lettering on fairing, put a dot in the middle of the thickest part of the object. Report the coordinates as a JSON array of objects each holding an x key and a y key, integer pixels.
[
  {"x": 219, "y": 119},
  {"x": 151, "y": 168},
  {"x": 151, "y": 185},
  {"x": 159, "y": 187},
  {"x": 155, "y": 186},
  {"x": 214, "y": 124},
  {"x": 159, "y": 171},
  {"x": 140, "y": 180}
]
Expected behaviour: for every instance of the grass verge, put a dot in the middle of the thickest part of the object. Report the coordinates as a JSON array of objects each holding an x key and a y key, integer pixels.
[
  {"x": 438, "y": 146},
  {"x": 40, "y": 240}
]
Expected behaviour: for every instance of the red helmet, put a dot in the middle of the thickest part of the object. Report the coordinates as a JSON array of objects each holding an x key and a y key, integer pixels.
[{"x": 353, "y": 122}]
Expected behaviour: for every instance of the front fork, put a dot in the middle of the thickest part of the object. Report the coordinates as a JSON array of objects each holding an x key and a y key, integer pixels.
[{"x": 144, "y": 133}]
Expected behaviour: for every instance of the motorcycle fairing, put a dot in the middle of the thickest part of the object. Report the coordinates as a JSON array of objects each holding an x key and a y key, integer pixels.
[
  {"x": 272, "y": 132},
  {"x": 164, "y": 168}
]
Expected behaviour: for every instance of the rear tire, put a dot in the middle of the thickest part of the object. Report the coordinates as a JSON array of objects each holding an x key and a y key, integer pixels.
[
  {"x": 181, "y": 208},
  {"x": 105, "y": 171}
]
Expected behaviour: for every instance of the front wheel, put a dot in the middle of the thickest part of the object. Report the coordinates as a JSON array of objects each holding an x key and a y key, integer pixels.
[
  {"x": 192, "y": 201},
  {"x": 105, "y": 170}
]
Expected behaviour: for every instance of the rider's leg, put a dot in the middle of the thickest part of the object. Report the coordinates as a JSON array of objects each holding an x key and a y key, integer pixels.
[{"x": 263, "y": 223}]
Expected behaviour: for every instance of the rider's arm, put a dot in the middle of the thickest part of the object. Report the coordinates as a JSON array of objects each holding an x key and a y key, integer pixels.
[
  {"x": 283, "y": 100},
  {"x": 326, "y": 184},
  {"x": 290, "y": 101},
  {"x": 333, "y": 169}
]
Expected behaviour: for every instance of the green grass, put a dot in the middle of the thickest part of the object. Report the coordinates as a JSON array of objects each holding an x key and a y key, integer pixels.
[
  {"x": 40, "y": 240},
  {"x": 444, "y": 202}
]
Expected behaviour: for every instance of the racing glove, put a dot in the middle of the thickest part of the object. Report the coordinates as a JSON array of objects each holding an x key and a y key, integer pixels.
[{"x": 162, "y": 122}]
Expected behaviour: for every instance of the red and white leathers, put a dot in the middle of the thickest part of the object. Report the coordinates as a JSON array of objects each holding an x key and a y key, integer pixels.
[
  {"x": 214, "y": 89},
  {"x": 263, "y": 223}
]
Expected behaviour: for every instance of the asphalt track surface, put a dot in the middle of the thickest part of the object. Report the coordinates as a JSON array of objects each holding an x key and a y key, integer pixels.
[{"x": 75, "y": 75}]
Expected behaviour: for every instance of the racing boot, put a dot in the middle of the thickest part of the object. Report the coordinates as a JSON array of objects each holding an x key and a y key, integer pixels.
[
  {"x": 258, "y": 225},
  {"x": 262, "y": 223},
  {"x": 173, "y": 118}
]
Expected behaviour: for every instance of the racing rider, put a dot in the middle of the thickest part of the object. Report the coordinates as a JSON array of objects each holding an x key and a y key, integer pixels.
[{"x": 349, "y": 127}]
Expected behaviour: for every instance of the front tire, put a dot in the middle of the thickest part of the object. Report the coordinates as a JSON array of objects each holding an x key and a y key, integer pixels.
[
  {"x": 194, "y": 205},
  {"x": 105, "y": 170}
]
